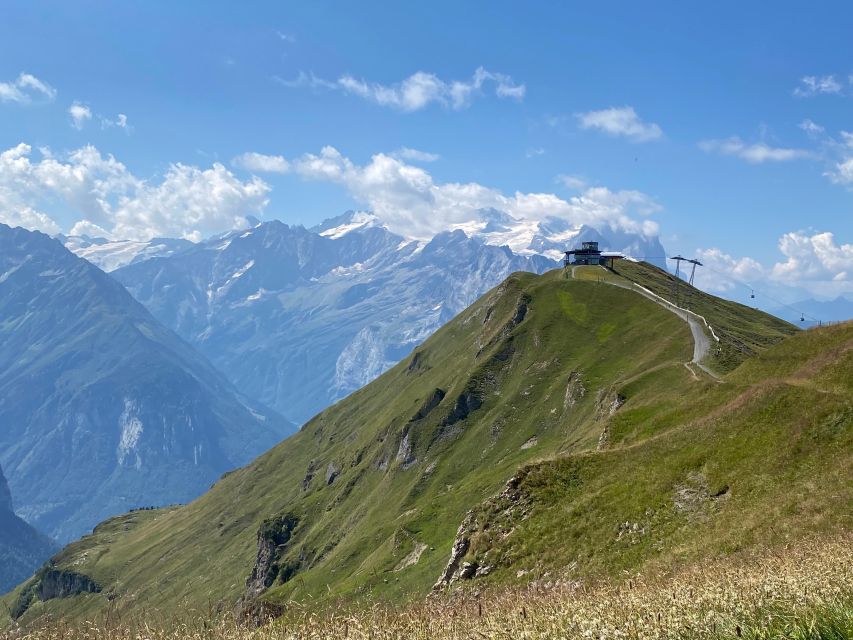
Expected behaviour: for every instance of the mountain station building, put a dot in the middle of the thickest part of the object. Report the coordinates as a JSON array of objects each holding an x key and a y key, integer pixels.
[{"x": 589, "y": 253}]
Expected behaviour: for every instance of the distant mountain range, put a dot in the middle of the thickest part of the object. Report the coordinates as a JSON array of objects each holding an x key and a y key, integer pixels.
[
  {"x": 299, "y": 318},
  {"x": 22, "y": 548},
  {"x": 102, "y": 408},
  {"x": 836, "y": 310}
]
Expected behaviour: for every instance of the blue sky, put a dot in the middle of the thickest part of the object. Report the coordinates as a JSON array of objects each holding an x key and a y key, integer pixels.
[{"x": 692, "y": 117}]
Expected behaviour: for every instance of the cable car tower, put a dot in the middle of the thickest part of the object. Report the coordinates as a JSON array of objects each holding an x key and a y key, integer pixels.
[
  {"x": 695, "y": 263},
  {"x": 678, "y": 260}
]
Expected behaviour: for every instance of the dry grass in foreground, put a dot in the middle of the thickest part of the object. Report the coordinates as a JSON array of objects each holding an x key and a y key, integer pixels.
[{"x": 805, "y": 591}]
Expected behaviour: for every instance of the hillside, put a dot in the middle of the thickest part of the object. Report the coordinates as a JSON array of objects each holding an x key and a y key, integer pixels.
[
  {"x": 618, "y": 457},
  {"x": 22, "y": 548},
  {"x": 298, "y": 319},
  {"x": 103, "y": 409}
]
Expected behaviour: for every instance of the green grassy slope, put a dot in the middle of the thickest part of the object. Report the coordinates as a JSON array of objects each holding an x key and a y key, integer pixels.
[
  {"x": 580, "y": 384},
  {"x": 743, "y": 331}
]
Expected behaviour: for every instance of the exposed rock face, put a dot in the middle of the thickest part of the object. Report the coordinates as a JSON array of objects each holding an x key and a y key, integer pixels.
[
  {"x": 64, "y": 584},
  {"x": 492, "y": 520},
  {"x": 332, "y": 472},
  {"x": 51, "y": 583},
  {"x": 575, "y": 390},
  {"x": 404, "y": 453},
  {"x": 273, "y": 536},
  {"x": 608, "y": 402},
  {"x": 457, "y": 552}
]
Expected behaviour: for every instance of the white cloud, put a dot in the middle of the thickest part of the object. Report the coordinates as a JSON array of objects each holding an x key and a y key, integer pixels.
[
  {"x": 810, "y": 127},
  {"x": 308, "y": 80},
  {"x": 191, "y": 203},
  {"x": 187, "y": 202},
  {"x": 812, "y": 261},
  {"x": 261, "y": 163},
  {"x": 814, "y": 85},
  {"x": 620, "y": 121},
  {"x": 535, "y": 152},
  {"x": 418, "y": 91},
  {"x": 754, "y": 153},
  {"x": 120, "y": 122},
  {"x": 723, "y": 272},
  {"x": 25, "y": 89},
  {"x": 842, "y": 173},
  {"x": 80, "y": 114},
  {"x": 285, "y": 37},
  {"x": 89, "y": 228},
  {"x": 410, "y": 202},
  {"x": 406, "y": 153},
  {"x": 576, "y": 183},
  {"x": 814, "y": 257}
]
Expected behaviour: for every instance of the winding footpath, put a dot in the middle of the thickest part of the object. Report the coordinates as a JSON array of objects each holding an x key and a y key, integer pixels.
[{"x": 701, "y": 342}]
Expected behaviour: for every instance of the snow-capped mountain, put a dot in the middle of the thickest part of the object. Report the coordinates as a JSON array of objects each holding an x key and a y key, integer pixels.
[
  {"x": 300, "y": 318},
  {"x": 109, "y": 255},
  {"x": 103, "y": 409},
  {"x": 550, "y": 237}
]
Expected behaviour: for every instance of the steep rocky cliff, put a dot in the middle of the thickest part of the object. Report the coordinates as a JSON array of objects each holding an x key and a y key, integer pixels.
[{"x": 22, "y": 548}]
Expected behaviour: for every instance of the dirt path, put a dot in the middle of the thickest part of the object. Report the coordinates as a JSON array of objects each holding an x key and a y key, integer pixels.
[{"x": 701, "y": 342}]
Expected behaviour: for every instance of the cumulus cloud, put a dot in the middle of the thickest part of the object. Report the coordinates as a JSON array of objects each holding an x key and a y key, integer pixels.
[
  {"x": 814, "y": 85},
  {"x": 25, "y": 89},
  {"x": 187, "y": 202},
  {"x": 261, "y": 163},
  {"x": 410, "y": 202},
  {"x": 418, "y": 91},
  {"x": 723, "y": 272},
  {"x": 89, "y": 228},
  {"x": 754, "y": 153},
  {"x": 191, "y": 203},
  {"x": 812, "y": 261},
  {"x": 815, "y": 257},
  {"x": 80, "y": 114},
  {"x": 620, "y": 121}
]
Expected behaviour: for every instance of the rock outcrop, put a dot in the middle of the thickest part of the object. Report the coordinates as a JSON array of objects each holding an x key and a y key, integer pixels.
[{"x": 273, "y": 536}]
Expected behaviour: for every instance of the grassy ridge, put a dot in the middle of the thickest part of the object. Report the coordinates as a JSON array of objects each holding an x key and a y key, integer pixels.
[
  {"x": 579, "y": 384},
  {"x": 743, "y": 331}
]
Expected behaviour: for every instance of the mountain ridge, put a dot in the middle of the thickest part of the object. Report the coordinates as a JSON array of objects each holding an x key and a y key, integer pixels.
[
  {"x": 579, "y": 385},
  {"x": 111, "y": 411}
]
